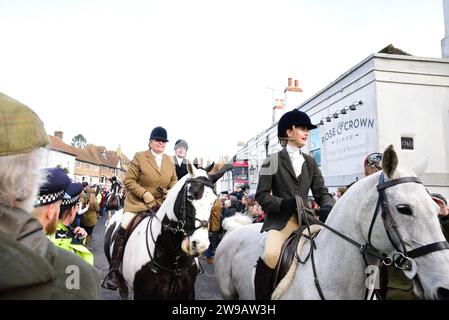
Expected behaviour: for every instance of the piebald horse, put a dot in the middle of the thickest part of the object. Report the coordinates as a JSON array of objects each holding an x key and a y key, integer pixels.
[
  {"x": 388, "y": 216},
  {"x": 159, "y": 257}
]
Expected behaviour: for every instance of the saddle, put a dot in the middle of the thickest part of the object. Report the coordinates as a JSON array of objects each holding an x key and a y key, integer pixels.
[
  {"x": 288, "y": 251},
  {"x": 138, "y": 219},
  {"x": 289, "y": 247}
]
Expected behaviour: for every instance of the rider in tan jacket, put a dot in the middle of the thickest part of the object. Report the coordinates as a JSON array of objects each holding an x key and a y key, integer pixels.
[{"x": 150, "y": 175}]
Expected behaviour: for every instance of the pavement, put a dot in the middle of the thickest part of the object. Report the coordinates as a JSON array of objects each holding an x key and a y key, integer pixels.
[{"x": 206, "y": 287}]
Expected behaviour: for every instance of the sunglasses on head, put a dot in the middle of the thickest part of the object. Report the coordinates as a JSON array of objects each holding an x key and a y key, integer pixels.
[{"x": 374, "y": 160}]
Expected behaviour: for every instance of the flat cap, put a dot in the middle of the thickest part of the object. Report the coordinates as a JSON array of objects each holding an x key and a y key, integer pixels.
[{"x": 21, "y": 130}]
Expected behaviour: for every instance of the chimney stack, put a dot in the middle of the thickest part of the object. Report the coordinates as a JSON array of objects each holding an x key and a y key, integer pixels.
[
  {"x": 292, "y": 98},
  {"x": 278, "y": 110},
  {"x": 59, "y": 134}
]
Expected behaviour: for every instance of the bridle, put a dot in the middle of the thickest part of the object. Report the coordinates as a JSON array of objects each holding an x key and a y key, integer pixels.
[
  {"x": 401, "y": 259},
  {"x": 167, "y": 257}
]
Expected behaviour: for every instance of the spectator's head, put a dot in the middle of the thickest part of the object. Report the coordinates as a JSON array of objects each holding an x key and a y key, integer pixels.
[
  {"x": 340, "y": 191},
  {"x": 22, "y": 139},
  {"x": 181, "y": 148},
  {"x": 372, "y": 163}
]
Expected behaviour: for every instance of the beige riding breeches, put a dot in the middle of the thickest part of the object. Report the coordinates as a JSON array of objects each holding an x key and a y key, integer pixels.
[
  {"x": 274, "y": 241},
  {"x": 127, "y": 217}
]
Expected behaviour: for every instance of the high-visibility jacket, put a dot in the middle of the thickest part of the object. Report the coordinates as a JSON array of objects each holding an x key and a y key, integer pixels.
[{"x": 64, "y": 238}]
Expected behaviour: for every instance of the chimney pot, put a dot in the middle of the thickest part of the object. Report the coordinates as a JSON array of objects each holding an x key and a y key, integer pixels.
[
  {"x": 290, "y": 82},
  {"x": 296, "y": 84},
  {"x": 59, "y": 134}
]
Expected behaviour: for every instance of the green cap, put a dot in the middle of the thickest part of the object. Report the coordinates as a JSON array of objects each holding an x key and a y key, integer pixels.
[{"x": 21, "y": 130}]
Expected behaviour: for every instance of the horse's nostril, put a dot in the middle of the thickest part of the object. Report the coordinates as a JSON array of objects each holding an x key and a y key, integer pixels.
[{"x": 443, "y": 294}]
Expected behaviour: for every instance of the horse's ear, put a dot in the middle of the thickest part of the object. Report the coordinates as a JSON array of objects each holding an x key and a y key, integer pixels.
[
  {"x": 389, "y": 161},
  {"x": 196, "y": 163},
  {"x": 209, "y": 167},
  {"x": 214, "y": 177},
  {"x": 191, "y": 168}
]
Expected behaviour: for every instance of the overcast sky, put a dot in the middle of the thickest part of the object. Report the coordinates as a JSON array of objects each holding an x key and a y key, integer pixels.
[{"x": 113, "y": 70}]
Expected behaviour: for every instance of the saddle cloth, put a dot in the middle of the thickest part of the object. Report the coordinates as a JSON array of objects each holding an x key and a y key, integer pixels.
[{"x": 286, "y": 268}]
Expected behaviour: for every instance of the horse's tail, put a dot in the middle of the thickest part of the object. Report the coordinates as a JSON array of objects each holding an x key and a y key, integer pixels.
[{"x": 107, "y": 241}]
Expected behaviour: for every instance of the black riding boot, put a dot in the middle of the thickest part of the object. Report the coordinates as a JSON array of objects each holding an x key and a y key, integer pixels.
[
  {"x": 114, "y": 279},
  {"x": 263, "y": 281}
]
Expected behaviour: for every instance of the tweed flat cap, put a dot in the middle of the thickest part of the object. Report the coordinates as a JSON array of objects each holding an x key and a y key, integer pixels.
[{"x": 21, "y": 130}]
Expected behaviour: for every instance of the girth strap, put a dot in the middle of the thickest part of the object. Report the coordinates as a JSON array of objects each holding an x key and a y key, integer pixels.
[{"x": 421, "y": 251}]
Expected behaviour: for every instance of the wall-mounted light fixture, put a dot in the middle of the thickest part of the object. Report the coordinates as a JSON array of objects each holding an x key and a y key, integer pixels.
[{"x": 344, "y": 110}]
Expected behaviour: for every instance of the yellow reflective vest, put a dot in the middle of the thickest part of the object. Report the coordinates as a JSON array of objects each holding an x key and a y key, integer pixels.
[{"x": 64, "y": 238}]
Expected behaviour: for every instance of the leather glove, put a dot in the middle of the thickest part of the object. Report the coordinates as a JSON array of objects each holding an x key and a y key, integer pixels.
[
  {"x": 147, "y": 197},
  {"x": 323, "y": 212},
  {"x": 288, "y": 205}
]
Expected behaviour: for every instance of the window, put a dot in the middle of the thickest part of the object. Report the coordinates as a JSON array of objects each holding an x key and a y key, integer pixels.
[
  {"x": 315, "y": 145},
  {"x": 87, "y": 165},
  {"x": 78, "y": 164}
]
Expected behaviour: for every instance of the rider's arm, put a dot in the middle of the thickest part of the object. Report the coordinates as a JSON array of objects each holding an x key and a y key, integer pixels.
[
  {"x": 264, "y": 197},
  {"x": 173, "y": 179},
  {"x": 132, "y": 175}
]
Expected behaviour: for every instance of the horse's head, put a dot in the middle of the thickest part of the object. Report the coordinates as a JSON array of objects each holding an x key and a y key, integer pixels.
[
  {"x": 405, "y": 227},
  {"x": 193, "y": 207}
]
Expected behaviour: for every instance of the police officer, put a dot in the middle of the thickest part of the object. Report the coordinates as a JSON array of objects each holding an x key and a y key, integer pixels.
[
  {"x": 179, "y": 158},
  {"x": 284, "y": 175},
  {"x": 31, "y": 267},
  {"x": 66, "y": 236}
]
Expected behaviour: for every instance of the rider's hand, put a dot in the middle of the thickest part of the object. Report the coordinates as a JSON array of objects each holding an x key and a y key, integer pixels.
[
  {"x": 288, "y": 205},
  {"x": 323, "y": 212},
  {"x": 147, "y": 197}
]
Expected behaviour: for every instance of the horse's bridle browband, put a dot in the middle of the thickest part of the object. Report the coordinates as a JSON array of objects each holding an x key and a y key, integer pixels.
[{"x": 402, "y": 259}]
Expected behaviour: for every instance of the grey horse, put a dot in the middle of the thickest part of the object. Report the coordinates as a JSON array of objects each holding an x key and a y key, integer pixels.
[{"x": 340, "y": 267}]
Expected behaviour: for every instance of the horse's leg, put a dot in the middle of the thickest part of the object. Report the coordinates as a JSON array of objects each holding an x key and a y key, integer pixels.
[{"x": 123, "y": 292}]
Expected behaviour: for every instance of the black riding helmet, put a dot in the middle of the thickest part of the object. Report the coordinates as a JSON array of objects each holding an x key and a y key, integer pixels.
[{"x": 293, "y": 118}]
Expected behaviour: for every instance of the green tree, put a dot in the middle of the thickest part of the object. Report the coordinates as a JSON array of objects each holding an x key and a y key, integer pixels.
[{"x": 79, "y": 141}]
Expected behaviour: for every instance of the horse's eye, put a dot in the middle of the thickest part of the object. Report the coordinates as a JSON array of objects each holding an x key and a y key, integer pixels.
[{"x": 404, "y": 209}]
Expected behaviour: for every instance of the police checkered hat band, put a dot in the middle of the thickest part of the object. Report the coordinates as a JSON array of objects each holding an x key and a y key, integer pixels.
[
  {"x": 54, "y": 187},
  {"x": 48, "y": 198},
  {"x": 69, "y": 201}
]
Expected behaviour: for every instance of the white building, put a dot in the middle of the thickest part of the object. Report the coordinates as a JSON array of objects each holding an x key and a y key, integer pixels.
[
  {"x": 58, "y": 154},
  {"x": 385, "y": 99}
]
